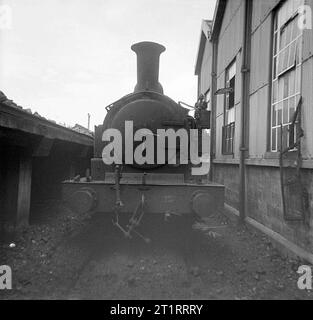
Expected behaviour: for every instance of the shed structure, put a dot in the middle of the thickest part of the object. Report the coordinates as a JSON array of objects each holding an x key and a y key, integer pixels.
[{"x": 262, "y": 125}]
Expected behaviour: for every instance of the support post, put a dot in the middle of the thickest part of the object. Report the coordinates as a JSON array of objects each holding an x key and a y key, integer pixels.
[{"x": 24, "y": 190}]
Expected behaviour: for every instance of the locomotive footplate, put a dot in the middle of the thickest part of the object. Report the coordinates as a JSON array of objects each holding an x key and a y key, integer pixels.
[{"x": 165, "y": 194}]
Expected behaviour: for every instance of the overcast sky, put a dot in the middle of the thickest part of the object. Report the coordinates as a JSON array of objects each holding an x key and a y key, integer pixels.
[{"x": 65, "y": 58}]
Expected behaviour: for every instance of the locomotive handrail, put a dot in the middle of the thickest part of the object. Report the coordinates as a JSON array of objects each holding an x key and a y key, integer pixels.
[{"x": 186, "y": 105}]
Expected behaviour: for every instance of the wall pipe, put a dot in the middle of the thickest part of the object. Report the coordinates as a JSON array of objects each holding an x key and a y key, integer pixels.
[
  {"x": 213, "y": 104},
  {"x": 244, "y": 130}
]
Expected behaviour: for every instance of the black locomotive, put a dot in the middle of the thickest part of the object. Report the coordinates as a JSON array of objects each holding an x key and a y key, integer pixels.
[{"x": 143, "y": 189}]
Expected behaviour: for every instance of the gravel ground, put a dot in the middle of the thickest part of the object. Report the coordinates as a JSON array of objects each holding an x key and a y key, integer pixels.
[{"x": 66, "y": 256}]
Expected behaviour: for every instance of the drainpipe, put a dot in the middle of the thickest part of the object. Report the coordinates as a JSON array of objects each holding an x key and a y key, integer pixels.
[
  {"x": 213, "y": 104},
  {"x": 245, "y": 71}
]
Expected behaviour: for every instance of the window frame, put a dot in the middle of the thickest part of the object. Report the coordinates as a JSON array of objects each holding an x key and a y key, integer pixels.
[
  {"x": 282, "y": 104},
  {"x": 228, "y": 138},
  {"x": 228, "y": 129},
  {"x": 227, "y": 108}
]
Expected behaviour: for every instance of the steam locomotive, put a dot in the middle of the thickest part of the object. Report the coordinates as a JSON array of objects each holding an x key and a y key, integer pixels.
[{"x": 126, "y": 188}]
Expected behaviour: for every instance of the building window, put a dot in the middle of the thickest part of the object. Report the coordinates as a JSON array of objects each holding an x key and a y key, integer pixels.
[
  {"x": 228, "y": 138},
  {"x": 286, "y": 72},
  {"x": 228, "y": 133}
]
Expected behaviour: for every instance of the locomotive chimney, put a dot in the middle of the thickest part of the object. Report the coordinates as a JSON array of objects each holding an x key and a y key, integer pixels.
[{"x": 148, "y": 57}]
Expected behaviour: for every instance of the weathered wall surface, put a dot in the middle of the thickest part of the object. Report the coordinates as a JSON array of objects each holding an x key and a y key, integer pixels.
[
  {"x": 263, "y": 189},
  {"x": 261, "y": 10},
  {"x": 263, "y": 183},
  {"x": 230, "y": 37},
  {"x": 259, "y": 85},
  {"x": 307, "y": 91},
  {"x": 260, "y": 81},
  {"x": 206, "y": 68},
  {"x": 229, "y": 49},
  {"x": 264, "y": 204},
  {"x": 228, "y": 175}
]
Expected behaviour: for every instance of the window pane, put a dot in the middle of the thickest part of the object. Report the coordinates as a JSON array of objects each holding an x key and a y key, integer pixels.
[
  {"x": 285, "y": 136},
  {"x": 285, "y": 112},
  {"x": 280, "y": 62},
  {"x": 288, "y": 33},
  {"x": 286, "y": 56},
  {"x": 286, "y": 86},
  {"x": 232, "y": 70},
  {"x": 274, "y": 93},
  {"x": 279, "y": 113},
  {"x": 298, "y": 79},
  {"x": 273, "y": 139},
  {"x": 287, "y": 40},
  {"x": 291, "y": 108},
  {"x": 292, "y": 82},
  {"x": 231, "y": 116},
  {"x": 228, "y": 137},
  {"x": 292, "y": 55},
  {"x": 280, "y": 89},
  {"x": 279, "y": 138},
  {"x": 274, "y": 114},
  {"x": 232, "y": 94}
]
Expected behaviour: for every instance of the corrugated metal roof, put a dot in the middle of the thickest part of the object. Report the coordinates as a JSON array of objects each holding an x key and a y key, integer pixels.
[{"x": 11, "y": 109}]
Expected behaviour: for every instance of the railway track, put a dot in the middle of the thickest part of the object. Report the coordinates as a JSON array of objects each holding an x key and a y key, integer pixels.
[{"x": 94, "y": 261}]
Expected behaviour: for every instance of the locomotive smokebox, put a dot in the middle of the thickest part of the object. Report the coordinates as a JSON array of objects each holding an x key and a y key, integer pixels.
[{"x": 148, "y": 58}]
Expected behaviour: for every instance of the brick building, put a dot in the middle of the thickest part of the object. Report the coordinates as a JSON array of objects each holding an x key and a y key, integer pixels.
[{"x": 255, "y": 68}]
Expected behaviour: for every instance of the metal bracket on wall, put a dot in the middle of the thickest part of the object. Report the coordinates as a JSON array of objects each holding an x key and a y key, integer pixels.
[{"x": 294, "y": 194}]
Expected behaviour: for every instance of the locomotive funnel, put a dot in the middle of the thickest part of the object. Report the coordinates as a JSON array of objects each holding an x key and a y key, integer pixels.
[{"x": 148, "y": 57}]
